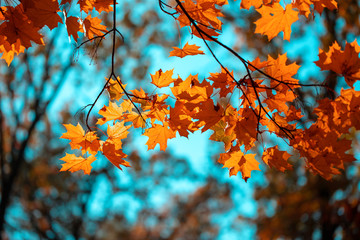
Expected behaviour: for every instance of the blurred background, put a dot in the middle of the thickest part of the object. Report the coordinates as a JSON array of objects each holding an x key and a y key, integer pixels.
[{"x": 182, "y": 193}]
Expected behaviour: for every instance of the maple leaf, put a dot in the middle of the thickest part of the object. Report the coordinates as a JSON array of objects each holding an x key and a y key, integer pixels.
[
  {"x": 99, "y": 5},
  {"x": 90, "y": 143},
  {"x": 8, "y": 53},
  {"x": 191, "y": 91},
  {"x": 103, "y": 5},
  {"x": 204, "y": 12},
  {"x": 209, "y": 114},
  {"x": 220, "y": 134},
  {"x": 158, "y": 134},
  {"x": 185, "y": 51},
  {"x": 278, "y": 101},
  {"x": 116, "y": 133},
  {"x": 247, "y": 4},
  {"x": 279, "y": 70},
  {"x": 346, "y": 63},
  {"x": 245, "y": 128},
  {"x": 275, "y": 19},
  {"x": 278, "y": 123},
  {"x": 140, "y": 97},
  {"x": 158, "y": 108},
  {"x": 126, "y": 105},
  {"x": 137, "y": 120},
  {"x": 293, "y": 114},
  {"x": 44, "y": 13},
  {"x": 223, "y": 81},
  {"x": 72, "y": 27},
  {"x": 114, "y": 89},
  {"x": 93, "y": 27},
  {"x": 329, "y": 156},
  {"x": 162, "y": 79},
  {"x": 111, "y": 112},
  {"x": 115, "y": 156},
  {"x": 180, "y": 120},
  {"x": 276, "y": 158},
  {"x": 75, "y": 134},
  {"x": 236, "y": 161},
  {"x": 17, "y": 27},
  {"x": 319, "y": 5},
  {"x": 257, "y": 64},
  {"x": 303, "y": 6},
  {"x": 74, "y": 163},
  {"x": 86, "y": 5},
  {"x": 204, "y": 32}
]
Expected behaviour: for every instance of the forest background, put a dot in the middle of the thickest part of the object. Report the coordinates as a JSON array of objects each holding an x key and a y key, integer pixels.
[{"x": 177, "y": 194}]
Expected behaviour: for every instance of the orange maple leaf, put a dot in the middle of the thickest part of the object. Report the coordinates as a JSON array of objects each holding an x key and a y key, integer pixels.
[
  {"x": 158, "y": 134},
  {"x": 86, "y": 5},
  {"x": 93, "y": 27},
  {"x": 209, "y": 113},
  {"x": 103, "y": 5},
  {"x": 223, "y": 81},
  {"x": 319, "y": 5},
  {"x": 279, "y": 70},
  {"x": 278, "y": 101},
  {"x": 74, "y": 163},
  {"x": 8, "y": 51},
  {"x": 140, "y": 96},
  {"x": 185, "y": 51},
  {"x": 221, "y": 136},
  {"x": 158, "y": 108},
  {"x": 247, "y": 4},
  {"x": 203, "y": 29},
  {"x": 204, "y": 12},
  {"x": 275, "y": 19},
  {"x": 303, "y": 6},
  {"x": 257, "y": 64},
  {"x": 111, "y": 112},
  {"x": 99, "y": 5},
  {"x": 162, "y": 79},
  {"x": 180, "y": 120},
  {"x": 245, "y": 128},
  {"x": 115, "y": 156},
  {"x": 72, "y": 27},
  {"x": 276, "y": 158},
  {"x": 114, "y": 89},
  {"x": 192, "y": 91},
  {"x": 75, "y": 134},
  {"x": 346, "y": 63},
  {"x": 116, "y": 133},
  {"x": 44, "y": 13},
  {"x": 17, "y": 27},
  {"x": 137, "y": 120},
  {"x": 236, "y": 161},
  {"x": 90, "y": 143}
]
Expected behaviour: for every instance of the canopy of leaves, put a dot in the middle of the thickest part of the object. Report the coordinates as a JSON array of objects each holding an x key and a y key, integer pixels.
[{"x": 266, "y": 89}]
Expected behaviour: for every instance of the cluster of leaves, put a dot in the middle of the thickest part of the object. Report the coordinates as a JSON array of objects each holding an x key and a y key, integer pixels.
[
  {"x": 23, "y": 23},
  {"x": 267, "y": 93}
]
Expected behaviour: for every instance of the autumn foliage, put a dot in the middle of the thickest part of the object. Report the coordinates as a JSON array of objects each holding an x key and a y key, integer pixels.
[{"x": 266, "y": 90}]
